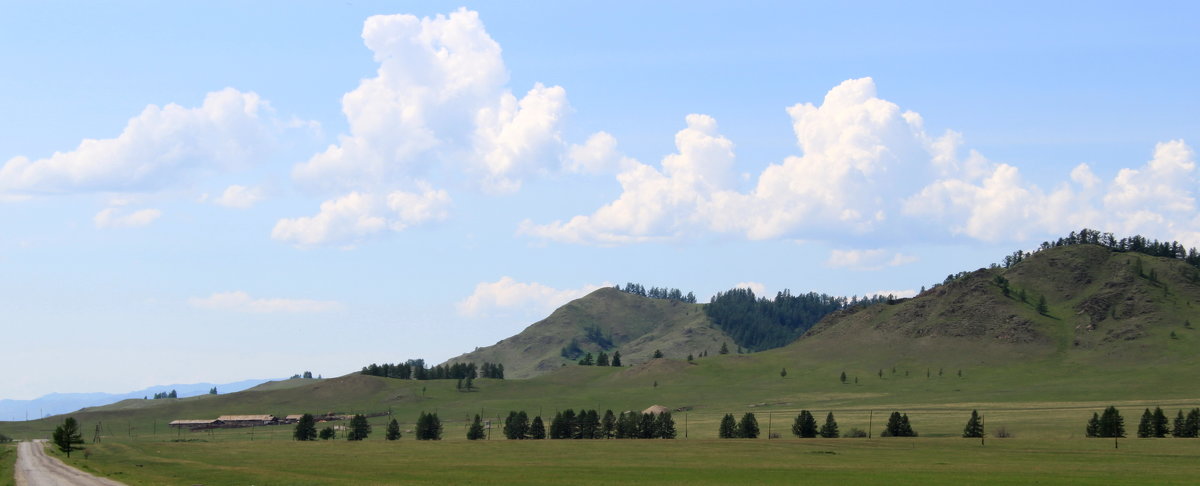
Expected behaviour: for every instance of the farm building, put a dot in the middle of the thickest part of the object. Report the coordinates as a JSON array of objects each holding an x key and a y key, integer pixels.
[
  {"x": 293, "y": 418},
  {"x": 196, "y": 424},
  {"x": 656, "y": 410},
  {"x": 248, "y": 420}
]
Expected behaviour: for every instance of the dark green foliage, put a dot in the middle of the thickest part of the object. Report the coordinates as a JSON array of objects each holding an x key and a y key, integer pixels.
[
  {"x": 307, "y": 375},
  {"x": 328, "y": 433},
  {"x": 747, "y": 428},
  {"x": 898, "y": 426},
  {"x": 805, "y": 426},
  {"x": 664, "y": 426},
  {"x": 616, "y": 358},
  {"x": 1003, "y": 284},
  {"x": 646, "y": 428},
  {"x": 587, "y": 360},
  {"x": 1093, "y": 426},
  {"x": 67, "y": 436},
  {"x": 516, "y": 426},
  {"x": 974, "y": 428},
  {"x": 4, "y": 439},
  {"x": 475, "y": 431},
  {"x": 760, "y": 323},
  {"x": 608, "y": 425},
  {"x": 1179, "y": 425},
  {"x": 1189, "y": 426},
  {"x": 1146, "y": 425},
  {"x": 657, "y": 354},
  {"x": 724, "y": 348},
  {"x": 588, "y": 425},
  {"x": 728, "y": 428},
  {"x": 537, "y": 430},
  {"x": 1161, "y": 426},
  {"x": 170, "y": 394},
  {"x": 393, "y": 430},
  {"x": 830, "y": 429},
  {"x": 782, "y": 372},
  {"x": 359, "y": 428},
  {"x": 414, "y": 369},
  {"x": 1042, "y": 308},
  {"x": 657, "y": 293},
  {"x": 212, "y": 391},
  {"x": 690, "y": 358},
  {"x": 627, "y": 426},
  {"x": 1111, "y": 424},
  {"x": 602, "y": 359},
  {"x": 843, "y": 377},
  {"x": 592, "y": 333},
  {"x": 429, "y": 427},
  {"x": 306, "y": 428}
]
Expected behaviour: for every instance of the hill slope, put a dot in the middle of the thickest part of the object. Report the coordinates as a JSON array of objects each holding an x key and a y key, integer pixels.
[{"x": 634, "y": 325}]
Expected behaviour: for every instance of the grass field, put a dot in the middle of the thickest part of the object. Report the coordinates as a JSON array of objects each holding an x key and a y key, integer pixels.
[
  {"x": 784, "y": 461},
  {"x": 8, "y": 460}
]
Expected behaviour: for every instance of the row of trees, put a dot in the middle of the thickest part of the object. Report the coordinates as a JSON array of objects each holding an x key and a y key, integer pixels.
[
  {"x": 747, "y": 428},
  {"x": 760, "y": 323},
  {"x": 1156, "y": 424},
  {"x": 414, "y": 369},
  {"x": 602, "y": 359},
  {"x": 657, "y": 293},
  {"x": 805, "y": 426},
  {"x": 589, "y": 424},
  {"x": 170, "y": 394}
]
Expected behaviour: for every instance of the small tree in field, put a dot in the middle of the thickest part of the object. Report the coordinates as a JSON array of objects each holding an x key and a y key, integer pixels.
[
  {"x": 728, "y": 428},
  {"x": 429, "y": 427},
  {"x": 1161, "y": 424},
  {"x": 359, "y": 428},
  {"x": 393, "y": 430},
  {"x": 67, "y": 435},
  {"x": 537, "y": 430},
  {"x": 974, "y": 428},
  {"x": 748, "y": 427},
  {"x": 805, "y": 426},
  {"x": 327, "y": 433},
  {"x": 830, "y": 429},
  {"x": 475, "y": 432},
  {"x": 1146, "y": 425},
  {"x": 306, "y": 428}
]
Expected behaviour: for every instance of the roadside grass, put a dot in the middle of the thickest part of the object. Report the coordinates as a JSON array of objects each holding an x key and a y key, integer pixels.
[
  {"x": 8, "y": 463},
  {"x": 785, "y": 461}
]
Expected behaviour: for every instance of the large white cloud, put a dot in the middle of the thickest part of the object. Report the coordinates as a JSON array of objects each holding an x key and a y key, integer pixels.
[
  {"x": 439, "y": 100},
  {"x": 157, "y": 148},
  {"x": 357, "y": 216},
  {"x": 868, "y": 168},
  {"x": 239, "y": 301},
  {"x": 508, "y": 294}
]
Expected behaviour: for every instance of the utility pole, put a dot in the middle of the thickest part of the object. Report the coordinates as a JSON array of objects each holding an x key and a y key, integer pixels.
[
  {"x": 769, "y": 416},
  {"x": 871, "y": 424},
  {"x": 685, "y": 425},
  {"x": 982, "y": 425}
]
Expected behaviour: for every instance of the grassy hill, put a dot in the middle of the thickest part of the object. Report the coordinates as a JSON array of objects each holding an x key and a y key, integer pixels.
[
  {"x": 634, "y": 325},
  {"x": 1110, "y": 334}
]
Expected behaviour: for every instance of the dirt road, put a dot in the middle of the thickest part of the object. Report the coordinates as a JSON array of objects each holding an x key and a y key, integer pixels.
[{"x": 35, "y": 468}]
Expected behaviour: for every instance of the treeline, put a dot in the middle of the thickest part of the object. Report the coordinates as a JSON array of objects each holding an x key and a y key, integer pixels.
[
  {"x": 414, "y": 369},
  {"x": 588, "y": 424},
  {"x": 657, "y": 293},
  {"x": 603, "y": 359},
  {"x": 1135, "y": 243},
  {"x": 758, "y": 323},
  {"x": 162, "y": 395}
]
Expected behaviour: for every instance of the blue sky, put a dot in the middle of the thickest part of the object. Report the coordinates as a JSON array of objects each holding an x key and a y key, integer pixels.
[{"x": 215, "y": 191}]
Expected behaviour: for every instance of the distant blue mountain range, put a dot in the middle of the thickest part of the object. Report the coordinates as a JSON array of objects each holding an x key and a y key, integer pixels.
[{"x": 57, "y": 403}]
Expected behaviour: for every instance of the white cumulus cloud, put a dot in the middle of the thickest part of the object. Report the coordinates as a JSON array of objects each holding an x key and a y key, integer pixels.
[
  {"x": 354, "y": 217},
  {"x": 239, "y": 301},
  {"x": 157, "y": 148},
  {"x": 868, "y": 168},
  {"x": 109, "y": 218},
  {"x": 875, "y": 259},
  {"x": 508, "y": 294},
  {"x": 240, "y": 197}
]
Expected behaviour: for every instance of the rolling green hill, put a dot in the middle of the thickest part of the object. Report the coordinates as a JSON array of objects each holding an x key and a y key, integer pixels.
[
  {"x": 634, "y": 325},
  {"x": 1116, "y": 329}
]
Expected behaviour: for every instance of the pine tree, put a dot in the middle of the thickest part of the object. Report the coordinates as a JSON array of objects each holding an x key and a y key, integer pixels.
[
  {"x": 212, "y": 391},
  {"x": 898, "y": 426},
  {"x": 602, "y": 359},
  {"x": 1192, "y": 424},
  {"x": 843, "y": 377},
  {"x": 537, "y": 430},
  {"x": 724, "y": 348},
  {"x": 647, "y": 428},
  {"x": 1146, "y": 425},
  {"x": 657, "y": 354},
  {"x": 616, "y": 358},
  {"x": 475, "y": 432},
  {"x": 1042, "y": 308},
  {"x": 728, "y": 428},
  {"x": 306, "y": 428},
  {"x": 1180, "y": 426},
  {"x": 67, "y": 435},
  {"x": 393, "y": 430},
  {"x": 429, "y": 427},
  {"x": 974, "y": 428},
  {"x": 587, "y": 360},
  {"x": 690, "y": 357},
  {"x": 664, "y": 426},
  {"x": 748, "y": 427},
  {"x": 608, "y": 425},
  {"x": 1093, "y": 426},
  {"x": 783, "y": 373},
  {"x": 830, "y": 429},
  {"x": 805, "y": 426},
  {"x": 359, "y": 428},
  {"x": 1111, "y": 423},
  {"x": 1161, "y": 425}
]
